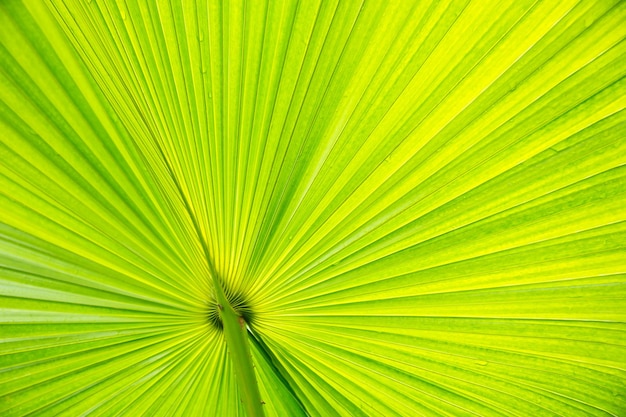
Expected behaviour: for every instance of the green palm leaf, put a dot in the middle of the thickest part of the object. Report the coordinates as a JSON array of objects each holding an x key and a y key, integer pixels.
[{"x": 351, "y": 207}]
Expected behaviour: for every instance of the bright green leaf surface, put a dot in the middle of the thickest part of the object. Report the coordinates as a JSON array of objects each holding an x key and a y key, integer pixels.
[{"x": 418, "y": 207}]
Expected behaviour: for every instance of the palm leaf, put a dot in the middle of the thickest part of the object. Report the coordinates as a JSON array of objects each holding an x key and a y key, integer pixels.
[{"x": 416, "y": 207}]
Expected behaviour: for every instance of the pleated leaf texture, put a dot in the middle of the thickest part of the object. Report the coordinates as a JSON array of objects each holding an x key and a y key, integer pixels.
[{"x": 417, "y": 208}]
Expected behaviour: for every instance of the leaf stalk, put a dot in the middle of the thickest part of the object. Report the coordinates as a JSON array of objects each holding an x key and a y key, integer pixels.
[{"x": 236, "y": 334}]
